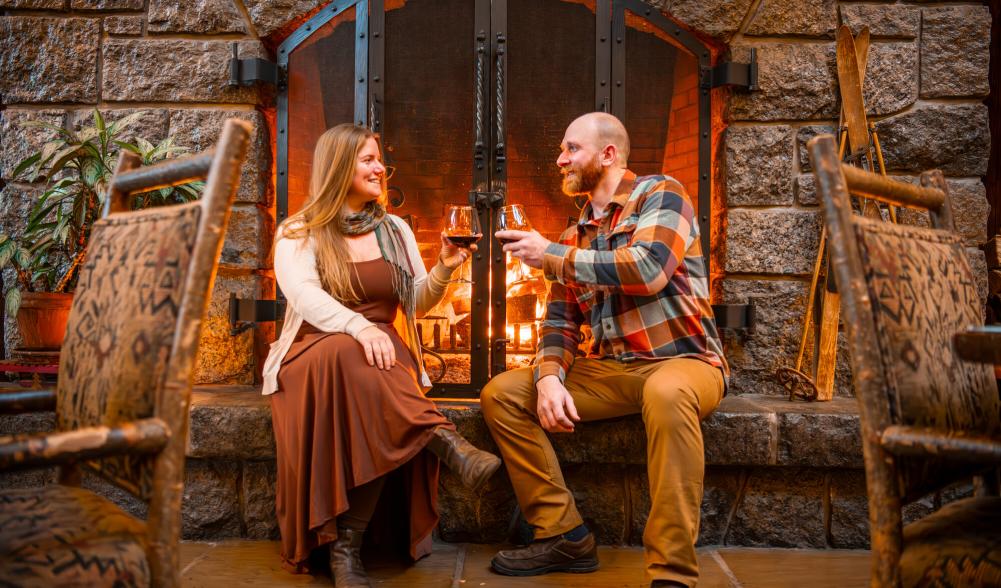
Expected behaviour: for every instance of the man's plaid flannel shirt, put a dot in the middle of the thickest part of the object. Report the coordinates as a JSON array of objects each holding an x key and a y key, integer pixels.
[{"x": 637, "y": 275}]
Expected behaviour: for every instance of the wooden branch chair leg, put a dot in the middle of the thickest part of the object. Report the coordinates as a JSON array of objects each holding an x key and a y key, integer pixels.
[{"x": 118, "y": 200}]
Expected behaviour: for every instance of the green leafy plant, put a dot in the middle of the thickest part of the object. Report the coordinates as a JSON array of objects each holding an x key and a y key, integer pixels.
[
  {"x": 76, "y": 167},
  {"x": 171, "y": 195}
]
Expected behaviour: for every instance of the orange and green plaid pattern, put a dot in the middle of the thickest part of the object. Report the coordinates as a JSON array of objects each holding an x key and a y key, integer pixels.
[{"x": 637, "y": 276}]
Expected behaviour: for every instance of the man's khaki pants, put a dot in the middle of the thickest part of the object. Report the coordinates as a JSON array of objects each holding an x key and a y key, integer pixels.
[{"x": 673, "y": 395}]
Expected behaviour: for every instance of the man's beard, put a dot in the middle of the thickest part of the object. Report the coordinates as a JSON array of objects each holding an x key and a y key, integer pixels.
[{"x": 584, "y": 180}]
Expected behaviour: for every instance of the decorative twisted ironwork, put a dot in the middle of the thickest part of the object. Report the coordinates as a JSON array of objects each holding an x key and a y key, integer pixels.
[
  {"x": 481, "y": 59},
  {"x": 499, "y": 95}
]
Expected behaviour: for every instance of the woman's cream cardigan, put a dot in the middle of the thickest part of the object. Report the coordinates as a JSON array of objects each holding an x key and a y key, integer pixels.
[{"x": 295, "y": 271}]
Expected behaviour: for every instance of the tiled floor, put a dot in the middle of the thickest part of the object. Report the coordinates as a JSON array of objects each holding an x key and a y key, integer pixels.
[{"x": 256, "y": 563}]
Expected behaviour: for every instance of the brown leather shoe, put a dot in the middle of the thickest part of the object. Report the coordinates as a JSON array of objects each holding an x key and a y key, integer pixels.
[
  {"x": 473, "y": 466},
  {"x": 555, "y": 554},
  {"x": 345, "y": 560}
]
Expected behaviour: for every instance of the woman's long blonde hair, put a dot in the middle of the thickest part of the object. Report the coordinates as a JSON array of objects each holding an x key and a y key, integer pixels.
[{"x": 334, "y": 162}]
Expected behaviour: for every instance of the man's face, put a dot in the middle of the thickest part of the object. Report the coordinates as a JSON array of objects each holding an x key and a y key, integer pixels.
[{"x": 579, "y": 160}]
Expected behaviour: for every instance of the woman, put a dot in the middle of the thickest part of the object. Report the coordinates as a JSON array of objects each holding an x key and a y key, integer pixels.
[{"x": 345, "y": 378}]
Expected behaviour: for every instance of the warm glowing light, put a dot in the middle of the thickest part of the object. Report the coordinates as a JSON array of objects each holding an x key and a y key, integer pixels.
[
  {"x": 517, "y": 271},
  {"x": 524, "y": 334}
]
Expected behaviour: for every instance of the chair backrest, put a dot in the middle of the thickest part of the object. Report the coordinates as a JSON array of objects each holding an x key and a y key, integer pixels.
[
  {"x": 905, "y": 291},
  {"x": 136, "y": 318}
]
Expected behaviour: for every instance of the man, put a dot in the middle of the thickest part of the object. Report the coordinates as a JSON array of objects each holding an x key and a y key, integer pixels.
[{"x": 632, "y": 269}]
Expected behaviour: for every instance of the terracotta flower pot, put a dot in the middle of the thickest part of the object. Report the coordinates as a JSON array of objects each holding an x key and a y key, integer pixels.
[{"x": 42, "y": 319}]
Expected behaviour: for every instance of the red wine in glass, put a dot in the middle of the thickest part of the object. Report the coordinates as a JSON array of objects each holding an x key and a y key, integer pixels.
[
  {"x": 462, "y": 225},
  {"x": 462, "y": 229},
  {"x": 512, "y": 218},
  {"x": 463, "y": 241}
]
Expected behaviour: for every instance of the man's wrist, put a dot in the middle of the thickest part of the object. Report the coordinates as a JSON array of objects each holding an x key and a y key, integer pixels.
[
  {"x": 553, "y": 258},
  {"x": 548, "y": 368},
  {"x": 547, "y": 380}
]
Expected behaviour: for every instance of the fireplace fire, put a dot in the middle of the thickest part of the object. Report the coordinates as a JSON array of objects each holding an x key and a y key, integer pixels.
[{"x": 445, "y": 330}]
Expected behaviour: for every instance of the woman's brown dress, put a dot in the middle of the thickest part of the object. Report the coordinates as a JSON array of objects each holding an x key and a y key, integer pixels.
[{"x": 340, "y": 423}]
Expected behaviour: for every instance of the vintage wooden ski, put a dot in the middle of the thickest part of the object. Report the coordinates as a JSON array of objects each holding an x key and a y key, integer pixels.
[
  {"x": 850, "y": 78},
  {"x": 852, "y": 55}
]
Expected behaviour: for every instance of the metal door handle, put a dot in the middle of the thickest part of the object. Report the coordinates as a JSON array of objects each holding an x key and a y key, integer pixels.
[
  {"x": 479, "y": 147},
  {"x": 499, "y": 155}
]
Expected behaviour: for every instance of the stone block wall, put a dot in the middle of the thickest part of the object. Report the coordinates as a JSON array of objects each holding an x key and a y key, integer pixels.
[
  {"x": 926, "y": 81},
  {"x": 61, "y": 59}
]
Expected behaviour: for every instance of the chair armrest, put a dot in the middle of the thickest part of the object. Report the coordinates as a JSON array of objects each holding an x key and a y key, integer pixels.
[
  {"x": 19, "y": 401},
  {"x": 982, "y": 343},
  {"x": 927, "y": 442},
  {"x": 30, "y": 451}
]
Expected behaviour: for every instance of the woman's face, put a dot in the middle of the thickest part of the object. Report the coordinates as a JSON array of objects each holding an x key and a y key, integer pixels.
[{"x": 369, "y": 172}]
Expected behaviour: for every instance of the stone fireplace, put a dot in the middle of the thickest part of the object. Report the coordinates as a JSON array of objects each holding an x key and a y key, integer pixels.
[
  {"x": 470, "y": 100},
  {"x": 778, "y": 473}
]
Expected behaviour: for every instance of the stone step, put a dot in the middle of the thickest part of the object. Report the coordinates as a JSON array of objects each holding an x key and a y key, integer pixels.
[{"x": 779, "y": 473}]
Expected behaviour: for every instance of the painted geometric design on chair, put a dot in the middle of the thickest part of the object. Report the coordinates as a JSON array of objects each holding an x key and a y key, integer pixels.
[
  {"x": 61, "y": 536},
  {"x": 962, "y": 571},
  {"x": 896, "y": 298},
  {"x": 123, "y": 319},
  {"x": 959, "y": 545},
  {"x": 923, "y": 291}
]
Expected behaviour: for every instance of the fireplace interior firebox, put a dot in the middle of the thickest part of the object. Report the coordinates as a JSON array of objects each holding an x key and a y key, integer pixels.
[{"x": 470, "y": 99}]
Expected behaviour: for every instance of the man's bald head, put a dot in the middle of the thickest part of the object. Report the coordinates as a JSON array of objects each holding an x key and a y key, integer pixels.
[{"x": 605, "y": 129}]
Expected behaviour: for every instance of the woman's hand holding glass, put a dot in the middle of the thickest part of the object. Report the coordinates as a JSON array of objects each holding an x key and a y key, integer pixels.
[{"x": 452, "y": 256}]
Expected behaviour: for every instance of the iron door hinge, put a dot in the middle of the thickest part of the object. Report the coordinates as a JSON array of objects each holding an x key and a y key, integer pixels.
[
  {"x": 739, "y": 75},
  {"x": 245, "y": 313},
  {"x": 734, "y": 317},
  {"x": 245, "y": 72}
]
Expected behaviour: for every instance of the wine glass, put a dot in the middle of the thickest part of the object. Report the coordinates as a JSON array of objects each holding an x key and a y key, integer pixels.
[
  {"x": 462, "y": 229},
  {"x": 511, "y": 217}
]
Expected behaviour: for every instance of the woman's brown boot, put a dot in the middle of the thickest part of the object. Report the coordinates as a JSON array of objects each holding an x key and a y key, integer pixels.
[
  {"x": 473, "y": 466},
  {"x": 345, "y": 560}
]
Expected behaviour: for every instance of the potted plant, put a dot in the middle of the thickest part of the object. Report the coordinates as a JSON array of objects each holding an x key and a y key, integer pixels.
[{"x": 75, "y": 166}]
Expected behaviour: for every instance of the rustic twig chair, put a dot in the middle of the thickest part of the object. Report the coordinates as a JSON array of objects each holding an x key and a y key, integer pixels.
[
  {"x": 124, "y": 385},
  {"x": 929, "y": 419}
]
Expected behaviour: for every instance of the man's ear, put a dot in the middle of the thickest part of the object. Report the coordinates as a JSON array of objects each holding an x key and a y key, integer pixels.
[{"x": 609, "y": 155}]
